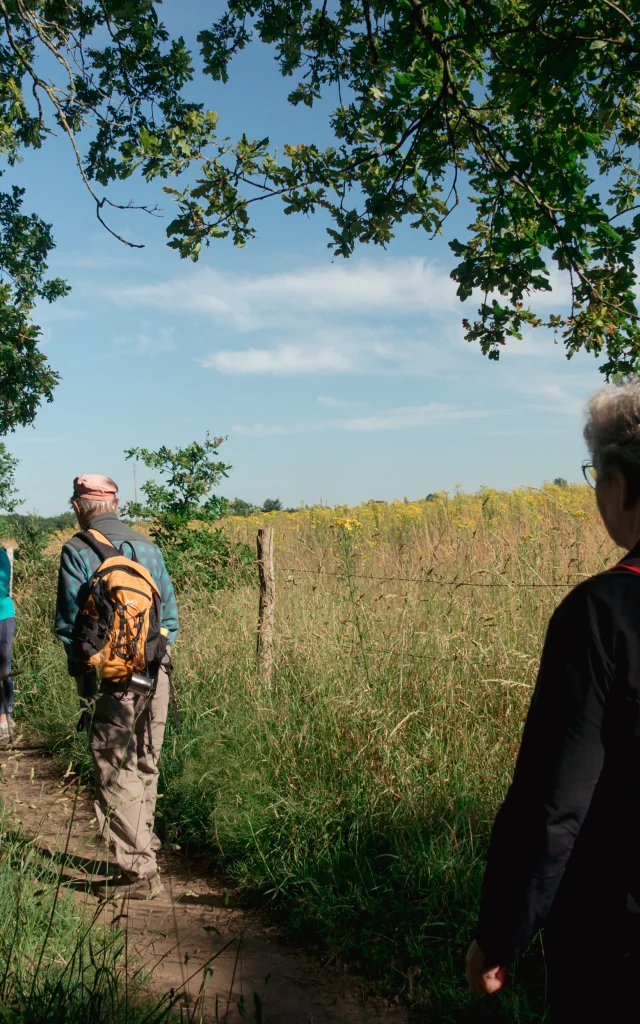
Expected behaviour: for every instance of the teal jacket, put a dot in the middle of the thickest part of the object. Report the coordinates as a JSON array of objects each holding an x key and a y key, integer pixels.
[{"x": 7, "y": 609}]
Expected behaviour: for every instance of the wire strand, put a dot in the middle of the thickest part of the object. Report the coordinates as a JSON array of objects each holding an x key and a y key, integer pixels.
[{"x": 510, "y": 584}]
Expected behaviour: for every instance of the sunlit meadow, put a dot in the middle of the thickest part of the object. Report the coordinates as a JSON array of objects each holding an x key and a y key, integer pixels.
[{"x": 355, "y": 793}]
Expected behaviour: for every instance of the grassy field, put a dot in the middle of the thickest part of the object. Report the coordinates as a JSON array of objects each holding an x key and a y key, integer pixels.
[
  {"x": 356, "y": 792},
  {"x": 58, "y": 963}
]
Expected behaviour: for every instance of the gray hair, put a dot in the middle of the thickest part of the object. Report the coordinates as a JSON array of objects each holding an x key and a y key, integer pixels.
[
  {"x": 89, "y": 507},
  {"x": 612, "y": 431}
]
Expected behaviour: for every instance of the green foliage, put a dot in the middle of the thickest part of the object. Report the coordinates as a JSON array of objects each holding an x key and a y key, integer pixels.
[
  {"x": 51, "y": 524},
  {"x": 207, "y": 558},
  {"x": 60, "y": 522},
  {"x": 187, "y": 495},
  {"x": 239, "y": 507},
  {"x": 25, "y": 377},
  {"x": 183, "y": 513},
  {"x": 109, "y": 70},
  {"x": 560, "y": 482},
  {"x": 32, "y": 534},
  {"x": 272, "y": 505},
  {"x": 61, "y": 962},
  {"x": 32, "y": 538},
  {"x": 527, "y": 108},
  {"x": 8, "y": 463},
  {"x": 355, "y": 792}
]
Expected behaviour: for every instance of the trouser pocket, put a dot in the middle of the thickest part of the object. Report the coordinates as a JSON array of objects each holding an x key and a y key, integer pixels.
[{"x": 113, "y": 722}]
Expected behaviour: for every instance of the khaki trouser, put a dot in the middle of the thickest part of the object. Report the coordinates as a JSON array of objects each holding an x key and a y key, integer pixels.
[{"x": 125, "y": 743}]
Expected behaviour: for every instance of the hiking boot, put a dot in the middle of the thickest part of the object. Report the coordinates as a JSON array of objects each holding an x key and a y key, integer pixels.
[
  {"x": 129, "y": 887},
  {"x": 10, "y": 733}
]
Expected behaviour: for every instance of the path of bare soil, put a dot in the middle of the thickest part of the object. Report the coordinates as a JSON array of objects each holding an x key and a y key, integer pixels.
[{"x": 195, "y": 939}]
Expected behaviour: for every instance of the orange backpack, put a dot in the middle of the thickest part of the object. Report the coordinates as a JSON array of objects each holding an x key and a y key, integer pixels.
[{"x": 117, "y": 629}]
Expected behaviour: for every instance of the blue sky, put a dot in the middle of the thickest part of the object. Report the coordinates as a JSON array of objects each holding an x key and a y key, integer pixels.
[{"x": 334, "y": 380}]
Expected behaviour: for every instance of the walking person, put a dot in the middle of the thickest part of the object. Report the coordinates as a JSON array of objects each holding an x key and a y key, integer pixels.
[
  {"x": 565, "y": 847},
  {"x": 7, "y": 630},
  {"x": 117, "y": 616}
]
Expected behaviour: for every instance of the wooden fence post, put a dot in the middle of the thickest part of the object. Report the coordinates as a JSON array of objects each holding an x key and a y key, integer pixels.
[{"x": 266, "y": 614}]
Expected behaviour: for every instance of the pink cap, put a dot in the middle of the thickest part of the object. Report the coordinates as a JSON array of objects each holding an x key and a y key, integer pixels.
[{"x": 95, "y": 486}]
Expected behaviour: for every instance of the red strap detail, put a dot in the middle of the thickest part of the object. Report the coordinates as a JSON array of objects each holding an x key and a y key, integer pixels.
[{"x": 631, "y": 568}]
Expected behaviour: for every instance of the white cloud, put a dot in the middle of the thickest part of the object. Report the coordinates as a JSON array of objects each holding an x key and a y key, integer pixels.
[
  {"x": 409, "y": 417},
  {"x": 148, "y": 342},
  {"x": 534, "y": 344},
  {"x": 401, "y": 418},
  {"x": 534, "y": 432},
  {"x": 333, "y": 403},
  {"x": 59, "y": 312},
  {"x": 265, "y": 430},
  {"x": 560, "y": 295},
  {"x": 283, "y": 360},
  {"x": 549, "y": 396},
  {"x": 404, "y": 287},
  {"x": 203, "y": 292},
  {"x": 359, "y": 349},
  {"x": 344, "y": 350},
  {"x": 388, "y": 315}
]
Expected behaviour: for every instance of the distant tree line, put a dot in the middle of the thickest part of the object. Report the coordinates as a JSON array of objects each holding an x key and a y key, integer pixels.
[
  {"x": 240, "y": 507},
  {"x": 62, "y": 521},
  {"x": 48, "y": 523}
]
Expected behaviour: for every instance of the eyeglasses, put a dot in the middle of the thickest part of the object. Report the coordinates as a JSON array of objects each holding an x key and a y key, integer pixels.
[{"x": 590, "y": 473}]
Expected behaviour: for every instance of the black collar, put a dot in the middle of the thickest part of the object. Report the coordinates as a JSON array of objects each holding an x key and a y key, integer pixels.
[{"x": 104, "y": 517}]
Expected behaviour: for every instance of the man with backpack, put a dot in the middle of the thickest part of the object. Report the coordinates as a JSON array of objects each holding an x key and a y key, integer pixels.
[{"x": 117, "y": 616}]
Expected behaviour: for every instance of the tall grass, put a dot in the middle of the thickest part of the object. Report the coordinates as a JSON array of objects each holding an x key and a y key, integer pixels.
[
  {"x": 58, "y": 962},
  {"x": 356, "y": 792}
]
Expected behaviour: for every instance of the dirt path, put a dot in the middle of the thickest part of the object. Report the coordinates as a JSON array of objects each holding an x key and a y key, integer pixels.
[{"x": 193, "y": 940}]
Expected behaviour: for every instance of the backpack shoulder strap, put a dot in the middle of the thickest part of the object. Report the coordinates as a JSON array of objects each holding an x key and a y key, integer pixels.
[
  {"x": 629, "y": 568},
  {"x": 104, "y": 549},
  {"x": 98, "y": 543},
  {"x": 133, "y": 557}
]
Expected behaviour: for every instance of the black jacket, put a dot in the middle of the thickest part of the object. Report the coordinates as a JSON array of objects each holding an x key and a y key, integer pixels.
[{"x": 568, "y": 833}]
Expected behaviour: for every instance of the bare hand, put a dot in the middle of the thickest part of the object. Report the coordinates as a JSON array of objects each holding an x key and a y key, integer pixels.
[{"x": 484, "y": 978}]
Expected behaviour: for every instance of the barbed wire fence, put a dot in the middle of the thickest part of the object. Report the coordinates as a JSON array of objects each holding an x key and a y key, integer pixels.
[
  {"x": 268, "y": 571},
  {"x": 428, "y": 580}
]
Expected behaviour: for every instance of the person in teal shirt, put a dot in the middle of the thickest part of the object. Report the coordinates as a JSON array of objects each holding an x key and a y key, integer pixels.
[{"x": 7, "y": 629}]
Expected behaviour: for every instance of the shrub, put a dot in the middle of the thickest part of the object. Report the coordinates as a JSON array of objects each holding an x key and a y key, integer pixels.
[{"x": 183, "y": 513}]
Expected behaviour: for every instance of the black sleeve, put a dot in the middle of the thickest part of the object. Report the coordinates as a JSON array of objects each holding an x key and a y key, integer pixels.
[{"x": 558, "y": 766}]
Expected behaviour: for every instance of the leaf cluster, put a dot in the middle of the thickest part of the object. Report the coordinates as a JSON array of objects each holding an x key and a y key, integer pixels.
[
  {"x": 191, "y": 473},
  {"x": 9, "y": 501},
  {"x": 240, "y": 507},
  {"x": 107, "y": 70},
  {"x": 32, "y": 537},
  {"x": 25, "y": 377},
  {"x": 527, "y": 109},
  {"x": 183, "y": 512}
]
